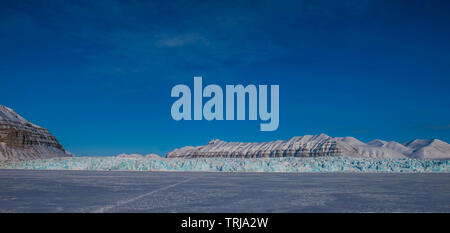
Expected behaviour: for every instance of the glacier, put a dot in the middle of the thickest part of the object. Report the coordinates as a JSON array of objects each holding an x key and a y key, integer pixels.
[{"x": 218, "y": 164}]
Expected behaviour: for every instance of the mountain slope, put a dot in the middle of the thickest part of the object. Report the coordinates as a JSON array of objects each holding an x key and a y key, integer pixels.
[
  {"x": 22, "y": 140},
  {"x": 304, "y": 146},
  {"x": 429, "y": 149}
]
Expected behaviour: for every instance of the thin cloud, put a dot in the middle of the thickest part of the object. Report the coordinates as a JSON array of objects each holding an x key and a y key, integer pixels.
[
  {"x": 182, "y": 40},
  {"x": 440, "y": 127}
]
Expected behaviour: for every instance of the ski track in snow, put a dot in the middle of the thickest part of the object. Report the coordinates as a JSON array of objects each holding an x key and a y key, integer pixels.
[{"x": 126, "y": 201}]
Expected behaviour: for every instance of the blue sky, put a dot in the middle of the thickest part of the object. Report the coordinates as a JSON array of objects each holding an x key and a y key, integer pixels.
[{"x": 98, "y": 74}]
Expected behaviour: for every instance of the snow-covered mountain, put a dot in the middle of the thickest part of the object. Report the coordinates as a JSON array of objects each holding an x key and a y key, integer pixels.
[
  {"x": 138, "y": 156},
  {"x": 22, "y": 140},
  {"x": 429, "y": 149},
  {"x": 318, "y": 145},
  {"x": 305, "y": 146},
  {"x": 395, "y": 146}
]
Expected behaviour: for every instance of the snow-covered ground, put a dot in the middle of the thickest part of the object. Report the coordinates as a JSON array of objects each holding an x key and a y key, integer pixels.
[
  {"x": 281, "y": 164},
  {"x": 126, "y": 191}
]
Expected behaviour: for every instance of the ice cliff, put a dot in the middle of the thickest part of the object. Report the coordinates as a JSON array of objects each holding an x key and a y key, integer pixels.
[{"x": 286, "y": 164}]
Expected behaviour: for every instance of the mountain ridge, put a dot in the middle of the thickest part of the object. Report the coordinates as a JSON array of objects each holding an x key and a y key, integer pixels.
[
  {"x": 318, "y": 145},
  {"x": 23, "y": 140}
]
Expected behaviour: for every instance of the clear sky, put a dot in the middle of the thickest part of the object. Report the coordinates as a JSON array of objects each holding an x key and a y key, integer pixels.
[{"x": 98, "y": 74}]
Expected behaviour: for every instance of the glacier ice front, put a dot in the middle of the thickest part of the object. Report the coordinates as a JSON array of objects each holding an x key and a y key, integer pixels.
[{"x": 282, "y": 164}]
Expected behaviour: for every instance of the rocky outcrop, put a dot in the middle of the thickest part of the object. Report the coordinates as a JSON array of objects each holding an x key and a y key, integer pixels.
[
  {"x": 22, "y": 140},
  {"x": 315, "y": 146}
]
